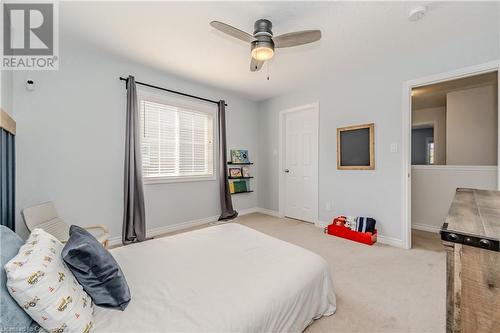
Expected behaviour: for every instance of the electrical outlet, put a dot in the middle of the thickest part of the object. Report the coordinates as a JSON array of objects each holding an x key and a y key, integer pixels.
[
  {"x": 328, "y": 206},
  {"x": 394, "y": 147}
]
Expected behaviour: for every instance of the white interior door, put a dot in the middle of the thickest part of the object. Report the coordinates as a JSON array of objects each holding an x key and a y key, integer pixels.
[{"x": 300, "y": 165}]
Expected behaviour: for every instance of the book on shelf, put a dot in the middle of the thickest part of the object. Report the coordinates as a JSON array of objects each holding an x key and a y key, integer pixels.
[{"x": 240, "y": 186}]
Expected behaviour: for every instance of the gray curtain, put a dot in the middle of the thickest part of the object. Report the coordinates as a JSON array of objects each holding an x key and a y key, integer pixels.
[
  {"x": 134, "y": 217},
  {"x": 226, "y": 204},
  {"x": 7, "y": 179}
]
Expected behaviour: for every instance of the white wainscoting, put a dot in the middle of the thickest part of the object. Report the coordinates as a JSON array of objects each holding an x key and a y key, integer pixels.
[{"x": 433, "y": 188}]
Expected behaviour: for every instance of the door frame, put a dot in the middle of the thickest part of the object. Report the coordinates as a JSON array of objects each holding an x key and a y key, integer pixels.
[
  {"x": 313, "y": 107},
  {"x": 483, "y": 68}
]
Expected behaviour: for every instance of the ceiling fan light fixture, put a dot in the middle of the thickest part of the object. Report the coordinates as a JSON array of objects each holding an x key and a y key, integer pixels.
[
  {"x": 262, "y": 41},
  {"x": 262, "y": 50}
]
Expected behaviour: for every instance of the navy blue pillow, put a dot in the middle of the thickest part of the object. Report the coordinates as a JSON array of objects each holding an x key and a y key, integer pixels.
[{"x": 96, "y": 269}]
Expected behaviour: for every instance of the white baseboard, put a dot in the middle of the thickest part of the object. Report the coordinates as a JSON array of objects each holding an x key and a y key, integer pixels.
[
  {"x": 396, "y": 242},
  {"x": 248, "y": 211},
  {"x": 426, "y": 227},
  {"x": 321, "y": 224},
  {"x": 117, "y": 240},
  {"x": 268, "y": 212}
]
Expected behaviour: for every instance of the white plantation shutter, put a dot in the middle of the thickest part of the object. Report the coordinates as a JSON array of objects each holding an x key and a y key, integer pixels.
[{"x": 176, "y": 141}]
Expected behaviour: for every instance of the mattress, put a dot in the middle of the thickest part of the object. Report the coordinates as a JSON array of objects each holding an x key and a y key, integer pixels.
[{"x": 226, "y": 278}]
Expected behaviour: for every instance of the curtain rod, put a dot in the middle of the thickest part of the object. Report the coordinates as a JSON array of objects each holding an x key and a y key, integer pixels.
[{"x": 171, "y": 91}]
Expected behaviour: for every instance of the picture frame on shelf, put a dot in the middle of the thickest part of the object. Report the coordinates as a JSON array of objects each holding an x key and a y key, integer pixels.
[
  {"x": 239, "y": 156},
  {"x": 235, "y": 173},
  {"x": 245, "y": 171}
]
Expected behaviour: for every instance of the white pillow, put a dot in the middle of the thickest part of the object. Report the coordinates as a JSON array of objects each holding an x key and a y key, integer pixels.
[{"x": 45, "y": 288}]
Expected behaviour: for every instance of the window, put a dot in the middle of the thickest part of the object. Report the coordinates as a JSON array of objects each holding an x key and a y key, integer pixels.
[
  {"x": 177, "y": 139},
  {"x": 430, "y": 152}
]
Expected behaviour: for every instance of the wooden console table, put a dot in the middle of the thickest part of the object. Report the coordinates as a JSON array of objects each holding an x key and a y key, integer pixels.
[{"x": 471, "y": 234}]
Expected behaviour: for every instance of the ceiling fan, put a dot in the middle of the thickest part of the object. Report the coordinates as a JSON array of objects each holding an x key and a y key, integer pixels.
[{"x": 262, "y": 42}]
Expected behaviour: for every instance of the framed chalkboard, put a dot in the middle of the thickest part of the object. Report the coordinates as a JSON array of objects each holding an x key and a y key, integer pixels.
[{"x": 355, "y": 147}]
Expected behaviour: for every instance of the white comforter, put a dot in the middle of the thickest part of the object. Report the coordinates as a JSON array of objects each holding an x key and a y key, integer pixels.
[{"x": 227, "y": 278}]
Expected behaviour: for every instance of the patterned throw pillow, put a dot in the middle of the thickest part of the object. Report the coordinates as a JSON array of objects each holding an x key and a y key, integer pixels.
[{"x": 43, "y": 286}]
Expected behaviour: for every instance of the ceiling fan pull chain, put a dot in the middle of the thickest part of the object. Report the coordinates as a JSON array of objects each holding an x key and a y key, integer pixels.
[{"x": 267, "y": 64}]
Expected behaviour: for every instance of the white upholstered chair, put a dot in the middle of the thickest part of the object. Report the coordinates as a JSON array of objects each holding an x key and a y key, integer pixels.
[{"x": 44, "y": 216}]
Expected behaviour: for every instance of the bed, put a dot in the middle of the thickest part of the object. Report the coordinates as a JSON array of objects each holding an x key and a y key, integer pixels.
[{"x": 226, "y": 278}]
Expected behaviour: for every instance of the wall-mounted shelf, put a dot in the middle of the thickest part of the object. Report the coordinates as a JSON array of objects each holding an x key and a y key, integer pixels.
[
  {"x": 242, "y": 192},
  {"x": 231, "y": 163},
  {"x": 238, "y": 180}
]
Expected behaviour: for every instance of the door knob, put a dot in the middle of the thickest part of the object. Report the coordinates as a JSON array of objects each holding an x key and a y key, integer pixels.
[{"x": 287, "y": 171}]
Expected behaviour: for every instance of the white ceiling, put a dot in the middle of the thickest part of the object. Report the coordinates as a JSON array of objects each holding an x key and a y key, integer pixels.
[{"x": 176, "y": 37}]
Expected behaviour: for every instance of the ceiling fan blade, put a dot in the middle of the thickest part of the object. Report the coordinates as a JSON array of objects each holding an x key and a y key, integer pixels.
[
  {"x": 232, "y": 31},
  {"x": 297, "y": 38},
  {"x": 255, "y": 65}
]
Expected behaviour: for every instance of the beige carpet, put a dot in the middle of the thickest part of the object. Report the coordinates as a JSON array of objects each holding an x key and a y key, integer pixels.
[{"x": 379, "y": 288}]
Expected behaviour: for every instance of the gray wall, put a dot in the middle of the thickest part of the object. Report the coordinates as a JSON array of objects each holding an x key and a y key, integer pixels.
[
  {"x": 6, "y": 91},
  {"x": 472, "y": 126},
  {"x": 369, "y": 94},
  {"x": 70, "y": 142}
]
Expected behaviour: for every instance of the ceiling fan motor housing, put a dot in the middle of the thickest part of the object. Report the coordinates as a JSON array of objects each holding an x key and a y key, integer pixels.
[
  {"x": 263, "y": 47},
  {"x": 263, "y": 27}
]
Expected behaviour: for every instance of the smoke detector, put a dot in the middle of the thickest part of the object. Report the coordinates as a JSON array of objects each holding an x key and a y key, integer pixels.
[{"x": 417, "y": 13}]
